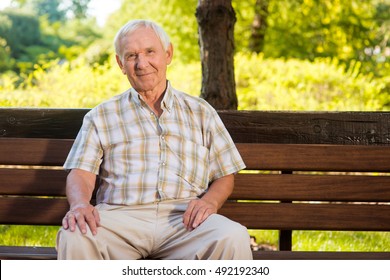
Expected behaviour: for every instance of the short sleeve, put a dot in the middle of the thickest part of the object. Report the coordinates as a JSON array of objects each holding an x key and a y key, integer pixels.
[
  {"x": 86, "y": 152},
  {"x": 224, "y": 156}
]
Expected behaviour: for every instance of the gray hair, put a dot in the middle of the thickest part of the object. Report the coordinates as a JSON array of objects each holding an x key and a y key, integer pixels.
[{"x": 133, "y": 25}]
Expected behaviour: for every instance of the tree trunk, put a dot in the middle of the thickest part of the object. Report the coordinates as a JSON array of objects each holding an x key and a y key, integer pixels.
[
  {"x": 216, "y": 19},
  {"x": 259, "y": 26}
]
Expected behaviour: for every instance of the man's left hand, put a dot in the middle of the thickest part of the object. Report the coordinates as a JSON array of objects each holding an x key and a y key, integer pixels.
[{"x": 197, "y": 212}]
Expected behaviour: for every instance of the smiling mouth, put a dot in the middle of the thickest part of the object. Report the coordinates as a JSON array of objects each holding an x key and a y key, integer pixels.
[{"x": 143, "y": 74}]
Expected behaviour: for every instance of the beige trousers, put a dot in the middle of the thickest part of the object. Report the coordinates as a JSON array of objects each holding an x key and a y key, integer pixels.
[{"x": 155, "y": 231}]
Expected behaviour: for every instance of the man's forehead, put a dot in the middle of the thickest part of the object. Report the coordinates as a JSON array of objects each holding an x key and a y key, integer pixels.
[
  {"x": 143, "y": 31},
  {"x": 144, "y": 37}
]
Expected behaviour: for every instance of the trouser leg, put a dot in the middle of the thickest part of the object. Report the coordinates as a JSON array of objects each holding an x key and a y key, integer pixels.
[
  {"x": 120, "y": 236},
  {"x": 77, "y": 246},
  {"x": 216, "y": 238}
]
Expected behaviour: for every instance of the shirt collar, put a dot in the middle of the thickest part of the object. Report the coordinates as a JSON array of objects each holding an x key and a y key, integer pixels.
[{"x": 166, "y": 103}]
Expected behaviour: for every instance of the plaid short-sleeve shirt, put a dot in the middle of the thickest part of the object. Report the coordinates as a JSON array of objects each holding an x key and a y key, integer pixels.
[{"x": 141, "y": 158}]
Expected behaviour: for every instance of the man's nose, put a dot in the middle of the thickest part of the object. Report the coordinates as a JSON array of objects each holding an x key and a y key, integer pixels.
[{"x": 142, "y": 61}]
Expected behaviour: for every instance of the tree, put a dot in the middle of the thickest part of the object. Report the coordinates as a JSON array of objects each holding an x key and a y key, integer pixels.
[{"x": 216, "y": 19}]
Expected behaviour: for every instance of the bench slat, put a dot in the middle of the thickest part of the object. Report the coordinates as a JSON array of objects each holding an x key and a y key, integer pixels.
[
  {"x": 288, "y": 187},
  {"x": 253, "y": 215},
  {"x": 267, "y": 156},
  {"x": 32, "y": 211},
  {"x": 49, "y": 253},
  {"x": 304, "y": 157},
  {"x": 307, "y": 216},
  {"x": 27, "y": 253},
  {"x": 34, "y": 182},
  {"x": 26, "y": 151},
  {"x": 347, "y": 128},
  {"x": 285, "y": 187}
]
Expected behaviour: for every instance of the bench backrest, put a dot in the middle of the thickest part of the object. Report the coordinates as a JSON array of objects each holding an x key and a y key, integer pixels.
[{"x": 308, "y": 171}]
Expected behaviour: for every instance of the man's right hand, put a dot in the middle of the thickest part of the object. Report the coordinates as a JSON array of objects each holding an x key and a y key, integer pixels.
[{"x": 82, "y": 215}]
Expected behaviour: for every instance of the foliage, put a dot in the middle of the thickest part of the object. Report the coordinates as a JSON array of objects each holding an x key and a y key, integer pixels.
[
  {"x": 64, "y": 84},
  {"x": 278, "y": 84},
  {"x": 32, "y": 37},
  {"x": 6, "y": 62},
  {"x": 319, "y": 55},
  {"x": 55, "y": 10},
  {"x": 49, "y": 8},
  {"x": 176, "y": 16},
  {"x": 350, "y": 30},
  {"x": 262, "y": 84},
  {"x": 13, "y": 25}
]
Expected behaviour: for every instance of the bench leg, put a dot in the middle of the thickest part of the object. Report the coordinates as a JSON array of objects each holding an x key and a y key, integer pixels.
[{"x": 285, "y": 240}]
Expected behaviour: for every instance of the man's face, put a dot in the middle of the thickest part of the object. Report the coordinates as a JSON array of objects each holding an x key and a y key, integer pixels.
[{"x": 144, "y": 60}]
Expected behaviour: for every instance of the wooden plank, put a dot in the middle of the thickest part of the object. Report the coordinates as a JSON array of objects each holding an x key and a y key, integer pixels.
[
  {"x": 40, "y": 122},
  {"x": 303, "y": 127},
  {"x": 27, "y": 253},
  {"x": 250, "y": 154},
  {"x": 308, "y": 216},
  {"x": 32, "y": 211},
  {"x": 347, "y": 128},
  {"x": 49, "y": 253},
  {"x": 256, "y": 156},
  {"x": 305, "y": 157},
  {"x": 253, "y": 215},
  {"x": 32, "y": 182},
  {"x": 352, "y": 188},
  {"x": 248, "y": 186},
  {"x": 25, "y": 151}
]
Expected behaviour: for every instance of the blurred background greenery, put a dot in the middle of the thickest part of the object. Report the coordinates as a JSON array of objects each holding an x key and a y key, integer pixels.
[{"x": 314, "y": 55}]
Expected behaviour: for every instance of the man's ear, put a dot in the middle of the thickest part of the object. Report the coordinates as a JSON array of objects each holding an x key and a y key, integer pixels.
[
  {"x": 120, "y": 64},
  {"x": 169, "y": 53}
]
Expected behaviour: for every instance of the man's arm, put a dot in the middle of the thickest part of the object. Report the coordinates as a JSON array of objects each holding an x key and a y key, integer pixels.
[
  {"x": 79, "y": 188},
  {"x": 199, "y": 210}
]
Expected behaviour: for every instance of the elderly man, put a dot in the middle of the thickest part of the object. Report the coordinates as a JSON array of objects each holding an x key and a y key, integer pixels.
[{"x": 165, "y": 165}]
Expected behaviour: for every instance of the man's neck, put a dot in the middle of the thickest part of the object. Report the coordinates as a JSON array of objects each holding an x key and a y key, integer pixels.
[{"x": 153, "y": 100}]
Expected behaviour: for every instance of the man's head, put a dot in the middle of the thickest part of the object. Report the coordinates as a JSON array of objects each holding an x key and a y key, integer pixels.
[
  {"x": 143, "y": 52},
  {"x": 133, "y": 25}
]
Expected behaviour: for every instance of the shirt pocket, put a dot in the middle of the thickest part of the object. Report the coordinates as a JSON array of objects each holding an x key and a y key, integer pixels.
[{"x": 196, "y": 165}]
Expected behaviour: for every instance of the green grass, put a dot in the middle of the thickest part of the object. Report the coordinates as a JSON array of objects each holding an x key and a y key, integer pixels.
[
  {"x": 329, "y": 240},
  {"x": 302, "y": 240},
  {"x": 28, "y": 235}
]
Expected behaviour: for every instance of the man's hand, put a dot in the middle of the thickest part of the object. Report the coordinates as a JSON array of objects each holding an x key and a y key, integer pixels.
[
  {"x": 197, "y": 212},
  {"x": 79, "y": 188},
  {"x": 82, "y": 215}
]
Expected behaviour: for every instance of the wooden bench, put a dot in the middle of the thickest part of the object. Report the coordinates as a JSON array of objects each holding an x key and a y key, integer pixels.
[{"x": 306, "y": 171}]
